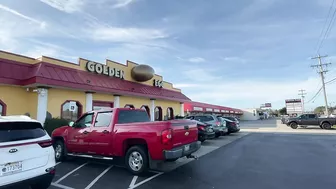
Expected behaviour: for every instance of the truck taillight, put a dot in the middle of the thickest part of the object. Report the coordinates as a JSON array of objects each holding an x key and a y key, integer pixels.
[
  {"x": 167, "y": 136},
  {"x": 45, "y": 144}
]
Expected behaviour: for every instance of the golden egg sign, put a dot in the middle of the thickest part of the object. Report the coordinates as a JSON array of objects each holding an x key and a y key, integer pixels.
[{"x": 142, "y": 73}]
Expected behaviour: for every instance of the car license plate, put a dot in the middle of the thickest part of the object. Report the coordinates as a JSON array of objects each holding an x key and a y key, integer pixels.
[
  {"x": 186, "y": 147},
  {"x": 11, "y": 168}
]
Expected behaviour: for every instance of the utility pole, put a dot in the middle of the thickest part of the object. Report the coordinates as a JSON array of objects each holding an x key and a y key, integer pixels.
[
  {"x": 302, "y": 94},
  {"x": 322, "y": 71}
]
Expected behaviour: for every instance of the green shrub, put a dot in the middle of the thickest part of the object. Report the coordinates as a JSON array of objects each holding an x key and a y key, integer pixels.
[{"x": 51, "y": 124}]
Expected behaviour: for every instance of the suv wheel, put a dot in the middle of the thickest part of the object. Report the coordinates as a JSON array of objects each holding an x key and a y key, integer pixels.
[
  {"x": 136, "y": 160},
  {"x": 326, "y": 126},
  {"x": 294, "y": 125},
  {"x": 59, "y": 150}
]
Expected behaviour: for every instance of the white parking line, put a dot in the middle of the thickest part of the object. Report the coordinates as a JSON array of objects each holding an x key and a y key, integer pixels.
[
  {"x": 133, "y": 182},
  {"x": 144, "y": 181},
  {"x": 61, "y": 186},
  {"x": 98, "y": 177},
  {"x": 65, "y": 176},
  {"x": 58, "y": 163}
]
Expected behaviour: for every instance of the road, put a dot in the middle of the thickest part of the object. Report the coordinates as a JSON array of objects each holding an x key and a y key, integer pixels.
[{"x": 259, "y": 161}]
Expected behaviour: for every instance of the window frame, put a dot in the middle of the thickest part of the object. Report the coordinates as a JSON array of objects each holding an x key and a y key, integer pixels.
[
  {"x": 172, "y": 113},
  {"x": 4, "y": 108},
  {"x": 81, "y": 117},
  {"x": 160, "y": 113},
  {"x": 130, "y": 106},
  {"x": 79, "y": 105},
  {"x": 146, "y": 108}
]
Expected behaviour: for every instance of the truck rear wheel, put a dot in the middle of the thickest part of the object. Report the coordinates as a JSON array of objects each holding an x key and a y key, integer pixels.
[
  {"x": 136, "y": 160},
  {"x": 294, "y": 125},
  {"x": 326, "y": 126}
]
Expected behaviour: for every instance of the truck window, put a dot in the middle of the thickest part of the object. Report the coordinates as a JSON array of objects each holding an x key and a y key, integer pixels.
[
  {"x": 85, "y": 121},
  {"x": 103, "y": 119},
  {"x": 312, "y": 116},
  {"x": 132, "y": 116}
]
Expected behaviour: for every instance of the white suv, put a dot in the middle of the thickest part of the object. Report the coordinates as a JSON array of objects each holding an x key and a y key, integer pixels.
[{"x": 27, "y": 157}]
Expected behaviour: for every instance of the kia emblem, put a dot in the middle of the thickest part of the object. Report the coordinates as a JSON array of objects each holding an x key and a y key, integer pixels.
[{"x": 13, "y": 150}]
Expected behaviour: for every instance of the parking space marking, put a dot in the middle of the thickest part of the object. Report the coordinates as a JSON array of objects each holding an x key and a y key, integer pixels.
[
  {"x": 61, "y": 186},
  {"x": 144, "y": 181},
  {"x": 133, "y": 181},
  {"x": 58, "y": 163},
  {"x": 98, "y": 177},
  {"x": 65, "y": 176}
]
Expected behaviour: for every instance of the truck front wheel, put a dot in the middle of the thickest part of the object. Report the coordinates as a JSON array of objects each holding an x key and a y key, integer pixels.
[
  {"x": 326, "y": 126},
  {"x": 136, "y": 160},
  {"x": 59, "y": 150},
  {"x": 294, "y": 125}
]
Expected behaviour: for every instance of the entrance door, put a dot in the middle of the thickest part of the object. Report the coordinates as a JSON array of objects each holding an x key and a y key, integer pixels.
[
  {"x": 78, "y": 137},
  {"x": 98, "y": 105},
  {"x": 100, "y": 136}
]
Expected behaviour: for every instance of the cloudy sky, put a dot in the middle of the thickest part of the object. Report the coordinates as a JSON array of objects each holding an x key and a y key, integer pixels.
[{"x": 235, "y": 53}]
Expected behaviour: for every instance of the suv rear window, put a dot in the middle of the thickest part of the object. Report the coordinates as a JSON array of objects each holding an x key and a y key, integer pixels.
[
  {"x": 16, "y": 131},
  {"x": 204, "y": 118},
  {"x": 132, "y": 116}
]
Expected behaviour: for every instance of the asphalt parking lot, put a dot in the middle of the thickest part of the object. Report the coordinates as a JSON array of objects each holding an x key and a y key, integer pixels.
[{"x": 81, "y": 173}]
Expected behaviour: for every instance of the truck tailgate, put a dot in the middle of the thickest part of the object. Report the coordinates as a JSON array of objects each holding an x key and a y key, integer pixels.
[{"x": 184, "y": 132}]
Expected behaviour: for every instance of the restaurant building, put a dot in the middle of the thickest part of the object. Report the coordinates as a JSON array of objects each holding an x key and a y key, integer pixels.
[
  {"x": 192, "y": 108},
  {"x": 48, "y": 87}
]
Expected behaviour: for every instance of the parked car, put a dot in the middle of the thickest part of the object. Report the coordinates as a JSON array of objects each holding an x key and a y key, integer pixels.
[
  {"x": 26, "y": 154},
  {"x": 205, "y": 131},
  {"x": 217, "y": 125},
  {"x": 232, "y": 119},
  {"x": 284, "y": 119},
  {"x": 311, "y": 119},
  {"x": 232, "y": 126},
  {"x": 128, "y": 133}
]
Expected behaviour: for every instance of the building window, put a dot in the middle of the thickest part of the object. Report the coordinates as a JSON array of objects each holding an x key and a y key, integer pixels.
[
  {"x": 144, "y": 107},
  {"x": 71, "y": 110},
  {"x": 129, "y": 106},
  {"x": 170, "y": 113},
  {"x": 3, "y": 108},
  {"x": 158, "y": 113},
  {"x": 98, "y": 105}
]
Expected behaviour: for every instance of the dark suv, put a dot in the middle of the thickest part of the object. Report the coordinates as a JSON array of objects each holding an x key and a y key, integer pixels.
[{"x": 218, "y": 126}]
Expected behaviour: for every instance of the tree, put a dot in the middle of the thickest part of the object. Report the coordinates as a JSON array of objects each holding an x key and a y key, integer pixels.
[{"x": 283, "y": 111}]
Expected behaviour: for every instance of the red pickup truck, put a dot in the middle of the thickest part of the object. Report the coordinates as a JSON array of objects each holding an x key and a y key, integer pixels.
[{"x": 128, "y": 133}]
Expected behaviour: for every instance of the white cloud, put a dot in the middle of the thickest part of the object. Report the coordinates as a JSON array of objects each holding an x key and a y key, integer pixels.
[
  {"x": 185, "y": 85},
  {"x": 115, "y": 34},
  {"x": 68, "y": 6},
  {"x": 42, "y": 24},
  {"x": 122, "y": 3},
  {"x": 201, "y": 75},
  {"x": 196, "y": 59}
]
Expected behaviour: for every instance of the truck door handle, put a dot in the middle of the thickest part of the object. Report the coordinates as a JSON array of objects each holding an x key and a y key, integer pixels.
[
  {"x": 105, "y": 131},
  {"x": 186, "y": 127},
  {"x": 85, "y": 132}
]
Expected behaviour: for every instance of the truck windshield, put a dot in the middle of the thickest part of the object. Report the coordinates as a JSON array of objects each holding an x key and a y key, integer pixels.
[{"x": 132, "y": 116}]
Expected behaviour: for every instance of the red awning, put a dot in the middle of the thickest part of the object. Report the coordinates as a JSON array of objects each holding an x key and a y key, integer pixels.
[
  {"x": 16, "y": 73},
  {"x": 209, "y": 108}
]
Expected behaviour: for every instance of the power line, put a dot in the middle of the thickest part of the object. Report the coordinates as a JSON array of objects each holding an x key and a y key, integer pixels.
[
  {"x": 324, "y": 26},
  {"x": 326, "y": 33},
  {"x": 312, "y": 99}
]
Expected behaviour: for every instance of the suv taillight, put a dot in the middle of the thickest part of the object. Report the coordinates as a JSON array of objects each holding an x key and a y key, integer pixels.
[
  {"x": 201, "y": 128},
  {"x": 218, "y": 123},
  {"x": 45, "y": 143},
  {"x": 167, "y": 136}
]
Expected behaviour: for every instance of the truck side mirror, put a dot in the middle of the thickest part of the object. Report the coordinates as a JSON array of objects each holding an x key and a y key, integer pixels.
[{"x": 71, "y": 123}]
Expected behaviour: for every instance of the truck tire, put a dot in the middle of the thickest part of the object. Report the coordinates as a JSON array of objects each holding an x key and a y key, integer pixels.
[
  {"x": 326, "y": 125},
  {"x": 294, "y": 125},
  {"x": 321, "y": 127},
  {"x": 136, "y": 160},
  {"x": 59, "y": 151}
]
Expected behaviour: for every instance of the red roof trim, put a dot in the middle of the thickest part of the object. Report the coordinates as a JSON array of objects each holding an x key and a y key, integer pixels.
[{"x": 55, "y": 75}]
